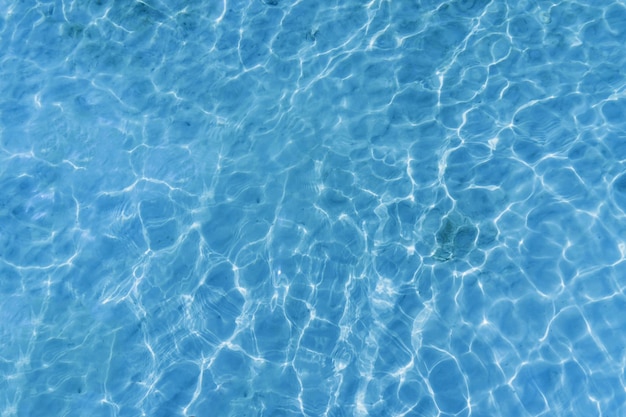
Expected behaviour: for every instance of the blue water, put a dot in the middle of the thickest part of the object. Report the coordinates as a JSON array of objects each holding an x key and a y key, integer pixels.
[{"x": 280, "y": 208}]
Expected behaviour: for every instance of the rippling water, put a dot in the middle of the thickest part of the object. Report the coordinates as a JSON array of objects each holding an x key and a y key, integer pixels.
[{"x": 277, "y": 208}]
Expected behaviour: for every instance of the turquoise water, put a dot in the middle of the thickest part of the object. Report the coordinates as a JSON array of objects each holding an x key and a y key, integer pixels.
[{"x": 280, "y": 208}]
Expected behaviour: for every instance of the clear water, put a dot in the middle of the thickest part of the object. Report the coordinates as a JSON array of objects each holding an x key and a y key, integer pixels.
[{"x": 277, "y": 208}]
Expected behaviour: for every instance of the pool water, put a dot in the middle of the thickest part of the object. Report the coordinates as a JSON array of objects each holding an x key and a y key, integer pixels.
[{"x": 304, "y": 208}]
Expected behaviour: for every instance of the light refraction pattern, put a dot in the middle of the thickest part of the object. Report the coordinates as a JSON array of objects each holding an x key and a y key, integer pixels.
[{"x": 309, "y": 208}]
